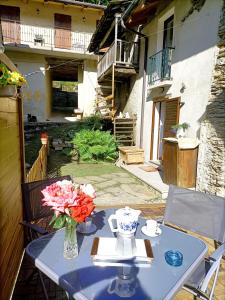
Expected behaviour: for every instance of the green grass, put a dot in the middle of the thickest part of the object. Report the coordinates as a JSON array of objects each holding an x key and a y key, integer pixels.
[
  {"x": 89, "y": 169},
  {"x": 59, "y": 165}
]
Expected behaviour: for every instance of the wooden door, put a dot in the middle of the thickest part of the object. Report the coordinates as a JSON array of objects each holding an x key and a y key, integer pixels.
[
  {"x": 10, "y": 21},
  {"x": 171, "y": 116},
  {"x": 165, "y": 114},
  {"x": 62, "y": 31}
]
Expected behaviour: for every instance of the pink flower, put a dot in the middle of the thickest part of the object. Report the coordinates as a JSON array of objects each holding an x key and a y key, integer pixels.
[{"x": 66, "y": 198}]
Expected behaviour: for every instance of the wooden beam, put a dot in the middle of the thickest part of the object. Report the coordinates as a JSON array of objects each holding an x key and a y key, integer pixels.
[
  {"x": 107, "y": 34},
  {"x": 8, "y": 62}
]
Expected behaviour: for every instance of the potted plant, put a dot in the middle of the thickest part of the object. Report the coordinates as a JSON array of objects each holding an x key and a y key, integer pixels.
[
  {"x": 180, "y": 129},
  {"x": 44, "y": 138},
  {"x": 9, "y": 81}
]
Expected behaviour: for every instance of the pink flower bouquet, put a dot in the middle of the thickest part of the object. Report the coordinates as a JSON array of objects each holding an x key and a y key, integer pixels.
[{"x": 71, "y": 203}]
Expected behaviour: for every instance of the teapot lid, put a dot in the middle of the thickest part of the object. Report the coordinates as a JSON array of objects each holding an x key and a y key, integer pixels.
[{"x": 127, "y": 211}]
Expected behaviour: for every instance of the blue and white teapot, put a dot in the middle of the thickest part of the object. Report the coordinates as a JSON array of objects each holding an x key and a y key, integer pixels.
[{"x": 126, "y": 220}]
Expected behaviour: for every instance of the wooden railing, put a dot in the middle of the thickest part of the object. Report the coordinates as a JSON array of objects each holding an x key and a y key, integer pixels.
[
  {"x": 45, "y": 38},
  {"x": 38, "y": 170},
  {"x": 120, "y": 52}
]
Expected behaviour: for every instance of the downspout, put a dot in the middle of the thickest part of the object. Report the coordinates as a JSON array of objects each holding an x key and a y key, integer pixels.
[{"x": 144, "y": 78}]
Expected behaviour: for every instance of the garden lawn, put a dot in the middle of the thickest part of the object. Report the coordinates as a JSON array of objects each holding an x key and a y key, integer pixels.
[{"x": 114, "y": 186}]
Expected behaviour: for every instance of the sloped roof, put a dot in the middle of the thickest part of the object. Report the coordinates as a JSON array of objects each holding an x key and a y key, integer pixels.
[
  {"x": 115, "y": 6},
  {"x": 134, "y": 13},
  {"x": 80, "y": 3}
]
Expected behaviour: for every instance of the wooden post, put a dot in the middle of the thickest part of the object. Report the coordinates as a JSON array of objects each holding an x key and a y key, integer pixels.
[
  {"x": 113, "y": 90},
  {"x": 117, "y": 16}
]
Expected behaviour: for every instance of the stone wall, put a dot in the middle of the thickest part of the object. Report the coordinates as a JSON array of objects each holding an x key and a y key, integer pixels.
[{"x": 211, "y": 163}]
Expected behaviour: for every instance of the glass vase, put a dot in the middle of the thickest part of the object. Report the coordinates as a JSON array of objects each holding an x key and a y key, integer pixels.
[{"x": 70, "y": 241}]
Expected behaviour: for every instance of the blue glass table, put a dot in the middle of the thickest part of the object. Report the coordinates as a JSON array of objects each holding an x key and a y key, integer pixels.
[{"x": 81, "y": 279}]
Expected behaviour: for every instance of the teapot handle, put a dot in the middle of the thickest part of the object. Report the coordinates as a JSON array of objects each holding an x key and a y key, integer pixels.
[{"x": 112, "y": 217}]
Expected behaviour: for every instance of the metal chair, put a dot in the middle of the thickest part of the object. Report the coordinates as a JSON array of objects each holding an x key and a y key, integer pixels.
[
  {"x": 36, "y": 216},
  {"x": 198, "y": 284},
  {"x": 197, "y": 212},
  {"x": 203, "y": 214}
]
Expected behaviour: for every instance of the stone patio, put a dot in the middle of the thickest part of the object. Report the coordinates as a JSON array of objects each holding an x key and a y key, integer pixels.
[{"x": 121, "y": 189}]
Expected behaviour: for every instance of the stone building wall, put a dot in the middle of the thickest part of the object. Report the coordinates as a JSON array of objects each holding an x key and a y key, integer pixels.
[{"x": 211, "y": 162}]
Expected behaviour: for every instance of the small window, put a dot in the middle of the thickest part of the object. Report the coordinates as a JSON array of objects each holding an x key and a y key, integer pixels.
[{"x": 168, "y": 33}]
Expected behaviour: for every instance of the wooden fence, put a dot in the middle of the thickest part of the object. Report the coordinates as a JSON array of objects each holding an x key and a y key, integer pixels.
[
  {"x": 11, "y": 177},
  {"x": 39, "y": 169}
]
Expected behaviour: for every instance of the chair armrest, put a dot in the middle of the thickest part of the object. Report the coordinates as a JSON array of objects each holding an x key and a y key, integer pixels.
[
  {"x": 34, "y": 227},
  {"x": 218, "y": 253},
  {"x": 195, "y": 291}
]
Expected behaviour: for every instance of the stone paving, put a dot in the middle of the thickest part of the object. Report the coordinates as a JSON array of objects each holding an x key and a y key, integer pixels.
[{"x": 121, "y": 188}]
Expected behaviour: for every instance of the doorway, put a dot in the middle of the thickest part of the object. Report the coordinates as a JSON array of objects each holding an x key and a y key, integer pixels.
[
  {"x": 62, "y": 31},
  {"x": 165, "y": 114},
  {"x": 10, "y": 22}
]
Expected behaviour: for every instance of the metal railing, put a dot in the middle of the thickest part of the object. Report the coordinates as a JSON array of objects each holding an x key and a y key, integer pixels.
[
  {"x": 46, "y": 38},
  {"x": 159, "y": 66},
  {"x": 121, "y": 53}
]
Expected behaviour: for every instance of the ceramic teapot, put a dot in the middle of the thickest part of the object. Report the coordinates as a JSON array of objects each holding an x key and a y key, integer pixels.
[{"x": 126, "y": 220}]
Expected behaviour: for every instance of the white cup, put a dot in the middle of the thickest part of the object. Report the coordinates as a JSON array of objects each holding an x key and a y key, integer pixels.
[{"x": 152, "y": 226}]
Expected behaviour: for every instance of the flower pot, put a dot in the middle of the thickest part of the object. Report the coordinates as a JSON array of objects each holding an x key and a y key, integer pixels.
[
  {"x": 70, "y": 241},
  {"x": 8, "y": 91},
  {"x": 44, "y": 141}
]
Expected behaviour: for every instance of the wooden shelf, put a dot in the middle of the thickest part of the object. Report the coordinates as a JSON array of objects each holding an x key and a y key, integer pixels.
[{"x": 124, "y": 130}]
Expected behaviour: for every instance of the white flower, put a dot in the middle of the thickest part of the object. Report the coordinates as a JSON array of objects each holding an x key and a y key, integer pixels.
[
  {"x": 64, "y": 183},
  {"x": 88, "y": 190}
]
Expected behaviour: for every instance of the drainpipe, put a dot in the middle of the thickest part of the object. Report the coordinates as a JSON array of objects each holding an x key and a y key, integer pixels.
[{"x": 144, "y": 77}]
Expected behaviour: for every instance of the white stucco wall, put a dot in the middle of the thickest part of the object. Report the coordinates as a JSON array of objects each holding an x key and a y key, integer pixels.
[
  {"x": 35, "y": 93},
  {"x": 87, "y": 78},
  {"x": 193, "y": 61}
]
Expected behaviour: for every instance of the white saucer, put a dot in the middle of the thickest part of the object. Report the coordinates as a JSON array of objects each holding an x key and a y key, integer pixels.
[
  {"x": 86, "y": 229},
  {"x": 144, "y": 230}
]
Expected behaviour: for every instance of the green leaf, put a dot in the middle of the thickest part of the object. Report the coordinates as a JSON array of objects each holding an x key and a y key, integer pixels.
[
  {"x": 70, "y": 220},
  {"x": 53, "y": 219},
  {"x": 59, "y": 222}
]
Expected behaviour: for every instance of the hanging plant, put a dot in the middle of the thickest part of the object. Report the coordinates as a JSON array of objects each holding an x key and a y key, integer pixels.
[{"x": 10, "y": 78}]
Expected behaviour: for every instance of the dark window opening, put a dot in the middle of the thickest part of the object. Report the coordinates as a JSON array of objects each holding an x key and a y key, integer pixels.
[
  {"x": 168, "y": 33},
  {"x": 64, "y": 96}
]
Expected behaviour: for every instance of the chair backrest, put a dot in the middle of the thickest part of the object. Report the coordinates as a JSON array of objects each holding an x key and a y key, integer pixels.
[
  {"x": 196, "y": 211},
  {"x": 32, "y": 197}
]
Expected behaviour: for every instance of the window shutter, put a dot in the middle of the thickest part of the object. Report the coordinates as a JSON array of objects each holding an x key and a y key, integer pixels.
[{"x": 171, "y": 116}]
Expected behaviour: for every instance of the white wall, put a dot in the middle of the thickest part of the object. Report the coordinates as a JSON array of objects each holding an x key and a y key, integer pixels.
[
  {"x": 87, "y": 78},
  {"x": 35, "y": 92},
  {"x": 193, "y": 61}
]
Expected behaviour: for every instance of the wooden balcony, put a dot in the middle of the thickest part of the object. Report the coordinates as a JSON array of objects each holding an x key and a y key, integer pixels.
[
  {"x": 17, "y": 34},
  {"x": 123, "y": 55}
]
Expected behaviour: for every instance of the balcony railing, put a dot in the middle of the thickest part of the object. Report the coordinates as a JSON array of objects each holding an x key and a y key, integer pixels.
[
  {"x": 46, "y": 38},
  {"x": 159, "y": 66},
  {"x": 120, "y": 53}
]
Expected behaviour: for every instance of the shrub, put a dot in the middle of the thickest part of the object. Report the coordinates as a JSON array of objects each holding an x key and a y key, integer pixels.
[
  {"x": 93, "y": 122},
  {"x": 95, "y": 145}
]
